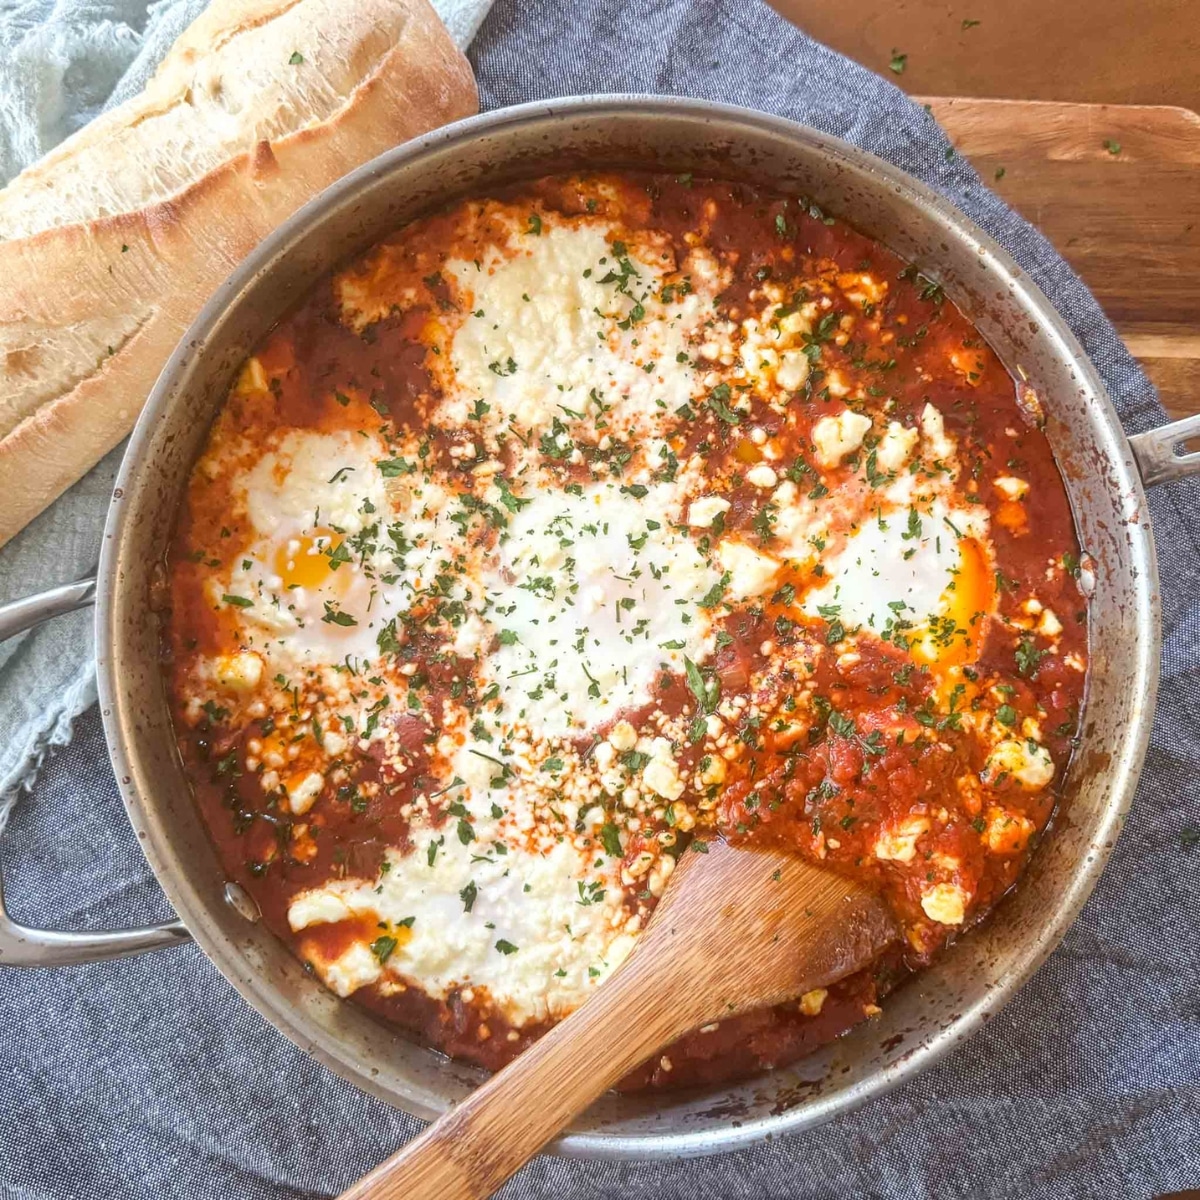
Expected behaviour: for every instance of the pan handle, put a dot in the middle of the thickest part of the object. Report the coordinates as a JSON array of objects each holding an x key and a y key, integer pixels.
[
  {"x": 21, "y": 946},
  {"x": 1160, "y": 454}
]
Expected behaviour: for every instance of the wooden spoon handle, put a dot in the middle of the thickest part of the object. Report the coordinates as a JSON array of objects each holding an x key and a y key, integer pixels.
[{"x": 473, "y": 1149}]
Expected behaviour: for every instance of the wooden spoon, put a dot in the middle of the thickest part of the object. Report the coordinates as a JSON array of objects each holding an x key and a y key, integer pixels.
[{"x": 736, "y": 929}]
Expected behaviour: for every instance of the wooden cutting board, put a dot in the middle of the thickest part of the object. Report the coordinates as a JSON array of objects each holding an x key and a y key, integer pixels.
[{"x": 1127, "y": 219}]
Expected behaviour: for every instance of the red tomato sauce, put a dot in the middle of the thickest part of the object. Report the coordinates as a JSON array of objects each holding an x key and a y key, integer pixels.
[{"x": 884, "y": 735}]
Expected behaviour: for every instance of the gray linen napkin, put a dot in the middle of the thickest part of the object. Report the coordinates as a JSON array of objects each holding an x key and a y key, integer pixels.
[{"x": 151, "y": 1078}]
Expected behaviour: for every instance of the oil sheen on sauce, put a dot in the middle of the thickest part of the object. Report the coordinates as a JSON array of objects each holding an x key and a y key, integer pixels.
[{"x": 585, "y": 521}]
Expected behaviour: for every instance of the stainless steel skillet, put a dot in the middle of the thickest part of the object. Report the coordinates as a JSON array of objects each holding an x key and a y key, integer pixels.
[{"x": 1105, "y": 473}]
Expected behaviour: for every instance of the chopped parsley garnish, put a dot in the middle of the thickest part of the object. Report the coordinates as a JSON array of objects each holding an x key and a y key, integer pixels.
[
  {"x": 386, "y": 640},
  {"x": 706, "y": 691},
  {"x": 511, "y": 502},
  {"x": 382, "y": 948},
  {"x": 506, "y": 947},
  {"x": 718, "y": 401},
  {"x": 1028, "y": 657},
  {"x": 391, "y": 467},
  {"x": 334, "y": 616},
  {"x": 714, "y": 595},
  {"x": 610, "y": 837},
  {"x": 841, "y": 725}
]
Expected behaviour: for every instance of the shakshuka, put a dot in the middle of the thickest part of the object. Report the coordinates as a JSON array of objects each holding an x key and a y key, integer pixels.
[{"x": 586, "y": 521}]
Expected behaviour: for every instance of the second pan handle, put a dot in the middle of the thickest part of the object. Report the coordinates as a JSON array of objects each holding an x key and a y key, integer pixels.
[
  {"x": 21, "y": 945},
  {"x": 1161, "y": 455}
]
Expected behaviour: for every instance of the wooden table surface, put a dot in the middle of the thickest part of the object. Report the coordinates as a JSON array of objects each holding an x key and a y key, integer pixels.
[{"x": 1095, "y": 51}]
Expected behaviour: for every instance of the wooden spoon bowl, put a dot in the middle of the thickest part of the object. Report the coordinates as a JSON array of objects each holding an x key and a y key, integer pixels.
[{"x": 736, "y": 929}]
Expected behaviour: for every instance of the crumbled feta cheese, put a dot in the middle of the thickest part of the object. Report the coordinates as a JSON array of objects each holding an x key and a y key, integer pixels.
[
  {"x": 661, "y": 775},
  {"x": 750, "y": 573},
  {"x": 938, "y": 444},
  {"x": 835, "y": 437},
  {"x": 317, "y": 907},
  {"x": 1006, "y": 832},
  {"x": 1049, "y": 625},
  {"x": 623, "y": 736},
  {"x": 945, "y": 903},
  {"x": 836, "y": 384},
  {"x": 704, "y": 510},
  {"x": 899, "y": 843},
  {"x": 353, "y": 969},
  {"x": 303, "y": 793},
  {"x": 241, "y": 672},
  {"x": 793, "y": 370},
  {"x": 1011, "y": 487},
  {"x": 334, "y": 743},
  {"x": 895, "y": 447},
  {"x": 812, "y": 1002},
  {"x": 1027, "y": 762},
  {"x": 762, "y": 476}
]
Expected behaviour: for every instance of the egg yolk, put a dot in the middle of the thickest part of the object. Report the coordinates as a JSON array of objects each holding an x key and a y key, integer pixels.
[
  {"x": 747, "y": 452},
  {"x": 307, "y": 561},
  {"x": 950, "y": 637}
]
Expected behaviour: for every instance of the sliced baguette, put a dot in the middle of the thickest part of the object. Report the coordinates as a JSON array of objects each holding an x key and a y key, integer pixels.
[{"x": 113, "y": 242}]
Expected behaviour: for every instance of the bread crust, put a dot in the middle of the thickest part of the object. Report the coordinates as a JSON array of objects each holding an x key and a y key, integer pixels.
[{"x": 140, "y": 277}]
